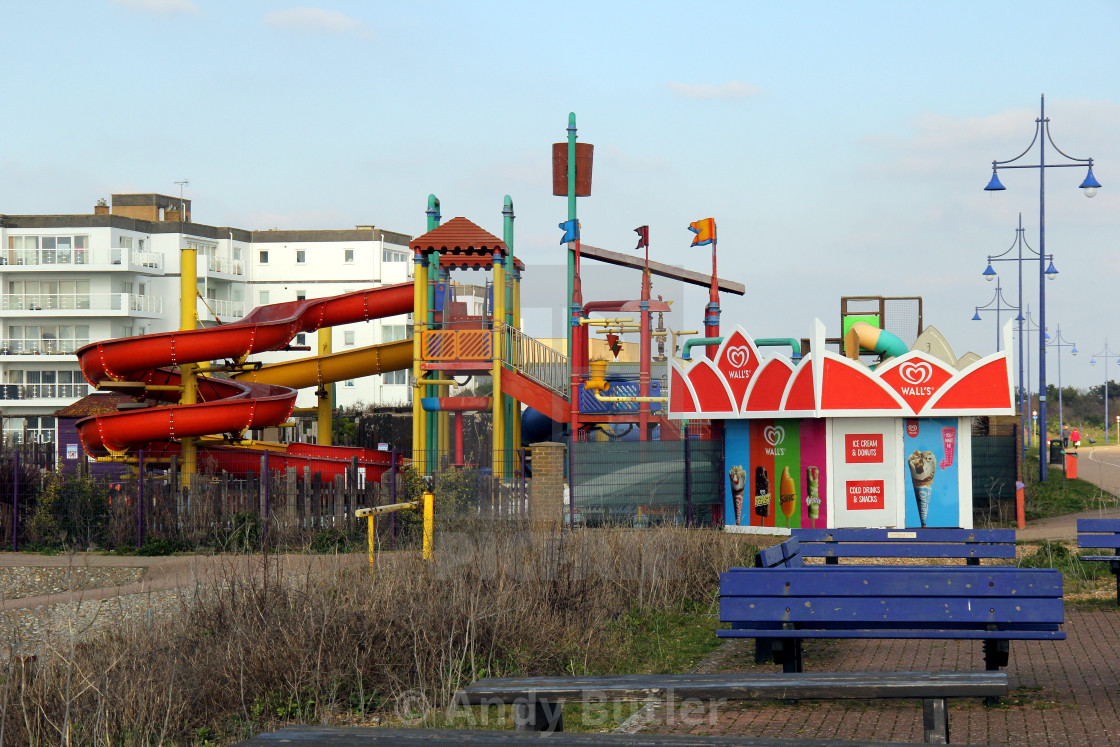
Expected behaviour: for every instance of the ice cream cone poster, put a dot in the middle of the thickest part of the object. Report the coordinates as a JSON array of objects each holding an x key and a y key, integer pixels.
[
  {"x": 931, "y": 474},
  {"x": 775, "y": 473}
]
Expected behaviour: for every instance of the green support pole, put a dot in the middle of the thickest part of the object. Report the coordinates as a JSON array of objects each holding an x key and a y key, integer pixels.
[{"x": 431, "y": 419}]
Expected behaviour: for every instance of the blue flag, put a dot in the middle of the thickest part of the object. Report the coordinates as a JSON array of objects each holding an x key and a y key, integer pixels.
[{"x": 571, "y": 231}]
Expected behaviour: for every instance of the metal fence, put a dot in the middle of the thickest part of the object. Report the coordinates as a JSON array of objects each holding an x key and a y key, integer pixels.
[
  {"x": 994, "y": 462},
  {"x": 640, "y": 483},
  {"x": 234, "y": 508}
]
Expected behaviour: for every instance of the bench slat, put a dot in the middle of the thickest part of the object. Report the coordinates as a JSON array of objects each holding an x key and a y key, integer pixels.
[
  {"x": 1103, "y": 541},
  {"x": 736, "y": 686},
  {"x": 891, "y": 611},
  {"x": 826, "y": 581},
  {"x": 929, "y": 534},
  {"x": 1105, "y": 558},
  {"x": 908, "y": 633},
  {"x": 1098, "y": 525},
  {"x": 330, "y": 736},
  {"x": 905, "y": 550}
]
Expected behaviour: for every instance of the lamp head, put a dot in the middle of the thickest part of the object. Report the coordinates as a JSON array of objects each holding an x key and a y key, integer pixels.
[
  {"x": 1092, "y": 361},
  {"x": 976, "y": 316},
  {"x": 1090, "y": 185},
  {"x": 1073, "y": 352},
  {"x": 994, "y": 185},
  {"x": 1051, "y": 272},
  {"x": 989, "y": 274}
]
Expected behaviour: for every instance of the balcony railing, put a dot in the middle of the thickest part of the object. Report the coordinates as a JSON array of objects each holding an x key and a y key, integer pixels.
[
  {"x": 222, "y": 309},
  {"x": 43, "y": 391},
  {"x": 40, "y": 346},
  {"x": 225, "y": 265},
  {"x": 81, "y": 257},
  {"x": 81, "y": 302}
]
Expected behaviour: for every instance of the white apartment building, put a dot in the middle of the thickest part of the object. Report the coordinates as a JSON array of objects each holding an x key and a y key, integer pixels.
[{"x": 69, "y": 280}]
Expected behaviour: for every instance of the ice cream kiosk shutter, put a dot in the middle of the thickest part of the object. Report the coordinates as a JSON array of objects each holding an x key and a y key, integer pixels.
[{"x": 828, "y": 442}]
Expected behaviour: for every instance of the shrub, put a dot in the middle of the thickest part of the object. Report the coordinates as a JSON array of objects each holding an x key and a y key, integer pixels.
[{"x": 71, "y": 511}]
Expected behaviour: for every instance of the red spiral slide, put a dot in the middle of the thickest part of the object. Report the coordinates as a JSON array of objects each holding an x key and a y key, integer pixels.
[{"x": 224, "y": 406}]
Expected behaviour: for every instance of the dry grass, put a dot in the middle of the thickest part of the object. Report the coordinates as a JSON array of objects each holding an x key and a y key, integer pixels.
[{"x": 258, "y": 649}]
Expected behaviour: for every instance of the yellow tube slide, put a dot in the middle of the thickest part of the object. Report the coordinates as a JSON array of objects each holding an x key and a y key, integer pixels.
[{"x": 349, "y": 364}]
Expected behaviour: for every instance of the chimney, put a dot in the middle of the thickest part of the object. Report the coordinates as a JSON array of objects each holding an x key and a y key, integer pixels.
[{"x": 101, "y": 208}]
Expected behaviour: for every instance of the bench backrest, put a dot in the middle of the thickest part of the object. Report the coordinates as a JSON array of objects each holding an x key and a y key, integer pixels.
[
  {"x": 784, "y": 554},
  {"x": 1100, "y": 533},
  {"x": 885, "y": 597},
  {"x": 926, "y": 542}
]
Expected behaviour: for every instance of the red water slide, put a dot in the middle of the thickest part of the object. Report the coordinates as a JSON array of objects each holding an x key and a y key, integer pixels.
[{"x": 224, "y": 406}]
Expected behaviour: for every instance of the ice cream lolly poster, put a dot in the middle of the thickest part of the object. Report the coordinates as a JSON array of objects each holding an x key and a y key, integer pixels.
[
  {"x": 932, "y": 493},
  {"x": 776, "y": 473}
]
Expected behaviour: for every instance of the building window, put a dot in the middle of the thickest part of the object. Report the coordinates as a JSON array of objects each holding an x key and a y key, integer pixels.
[
  {"x": 349, "y": 382},
  {"x": 124, "y": 242},
  {"x": 395, "y": 378},
  {"x": 301, "y": 339},
  {"x": 348, "y": 337},
  {"x": 301, "y": 295},
  {"x": 263, "y": 256},
  {"x": 29, "y": 430},
  {"x": 388, "y": 255},
  {"x": 348, "y": 256},
  {"x": 263, "y": 296},
  {"x": 301, "y": 256},
  {"x": 394, "y": 332}
]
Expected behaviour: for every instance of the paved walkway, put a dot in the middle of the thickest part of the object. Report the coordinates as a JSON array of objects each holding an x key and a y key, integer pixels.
[{"x": 1064, "y": 692}]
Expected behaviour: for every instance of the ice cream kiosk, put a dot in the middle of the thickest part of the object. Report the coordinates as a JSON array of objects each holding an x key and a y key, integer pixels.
[{"x": 826, "y": 441}]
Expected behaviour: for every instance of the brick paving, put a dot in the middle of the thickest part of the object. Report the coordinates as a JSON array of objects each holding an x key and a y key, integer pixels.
[{"x": 1063, "y": 692}]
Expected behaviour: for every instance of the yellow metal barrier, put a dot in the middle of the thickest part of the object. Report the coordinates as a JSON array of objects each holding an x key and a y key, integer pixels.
[{"x": 426, "y": 503}]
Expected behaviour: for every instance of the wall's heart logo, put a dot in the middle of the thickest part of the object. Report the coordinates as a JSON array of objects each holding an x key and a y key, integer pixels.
[
  {"x": 774, "y": 434},
  {"x": 915, "y": 372},
  {"x": 738, "y": 356}
]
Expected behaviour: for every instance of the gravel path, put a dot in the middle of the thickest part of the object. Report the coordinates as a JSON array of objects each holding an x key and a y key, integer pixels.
[{"x": 52, "y": 602}]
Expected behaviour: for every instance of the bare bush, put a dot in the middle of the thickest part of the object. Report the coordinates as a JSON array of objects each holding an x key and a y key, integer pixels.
[{"x": 345, "y": 645}]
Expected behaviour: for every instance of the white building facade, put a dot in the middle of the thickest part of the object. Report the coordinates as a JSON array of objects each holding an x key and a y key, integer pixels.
[{"x": 69, "y": 280}]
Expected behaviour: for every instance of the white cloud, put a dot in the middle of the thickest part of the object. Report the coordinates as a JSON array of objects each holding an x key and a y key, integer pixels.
[
  {"x": 318, "y": 20},
  {"x": 732, "y": 89},
  {"x": 159, "y": 7}
]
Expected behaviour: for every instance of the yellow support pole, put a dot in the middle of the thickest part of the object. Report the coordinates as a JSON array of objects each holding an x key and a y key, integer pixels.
[
  {"x": 188, "y": 320},
  {"x": 324, "y": 401},
  {"x": 498, "y": 435},
  {"x": 371, "y": 539},
  {"x": 429, "y": 524},
  {"x": 419, "y": 324},
  {"x": 371, "y": 532}
]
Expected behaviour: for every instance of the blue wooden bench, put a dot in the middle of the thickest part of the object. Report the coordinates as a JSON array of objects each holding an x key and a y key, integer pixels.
[
  {"x": 994, "y": 604},
  {"x": 938, "y": 543},
  {"x": 1101, "y": 534}
]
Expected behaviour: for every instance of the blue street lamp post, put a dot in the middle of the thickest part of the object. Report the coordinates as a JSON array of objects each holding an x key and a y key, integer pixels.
[
  {"x": 1001, "y": 305},
  {"x": 1057, "y": 341},
  {"x": 1092, "y": 362},
  {"x": 989, "y": 274},
  {"x": 1029, "y": 326},
  {"x": 1090, "y": 185}
]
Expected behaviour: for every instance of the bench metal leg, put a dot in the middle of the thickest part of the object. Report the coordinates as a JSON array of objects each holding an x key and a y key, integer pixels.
[
  {"x": 763, "y": 650},
  {"x": 996, "y": 655},
  {"x": 935, "y": 719},
  {"x": 538, "y": 715},
  {"x": 787, "y": 652}
]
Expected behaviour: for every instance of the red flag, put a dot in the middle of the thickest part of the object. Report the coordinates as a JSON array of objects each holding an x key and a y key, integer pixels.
[{"x": 643, "y": 237}]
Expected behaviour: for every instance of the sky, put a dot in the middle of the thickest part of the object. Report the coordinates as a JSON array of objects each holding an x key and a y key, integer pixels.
[{"x": 842, "y": 147}]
